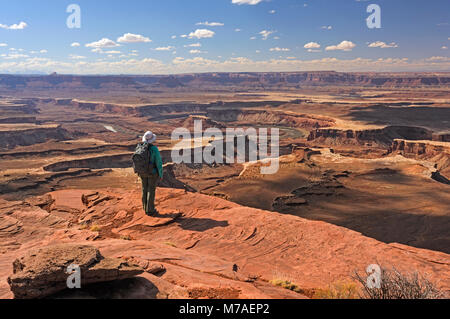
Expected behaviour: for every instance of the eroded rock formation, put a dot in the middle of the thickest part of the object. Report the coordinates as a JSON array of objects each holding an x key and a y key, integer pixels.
[{"x": 43, "y": 271}]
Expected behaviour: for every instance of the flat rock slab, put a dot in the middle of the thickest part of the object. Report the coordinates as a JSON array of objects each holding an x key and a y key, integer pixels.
[
  {"x": 42, "y": 272},
  {"x": 141, "y": 219}
]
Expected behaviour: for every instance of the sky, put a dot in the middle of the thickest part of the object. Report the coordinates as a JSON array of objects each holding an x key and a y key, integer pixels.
[{"x": 187, "y": 36}]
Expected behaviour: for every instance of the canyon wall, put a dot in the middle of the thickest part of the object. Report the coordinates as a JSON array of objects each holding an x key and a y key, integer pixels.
[
  {"x": 261, "y": 80},
  {"x": 382, "y": 137},
  {"x": 435, "y": 152},
  {"x": 11, "y": 138}
]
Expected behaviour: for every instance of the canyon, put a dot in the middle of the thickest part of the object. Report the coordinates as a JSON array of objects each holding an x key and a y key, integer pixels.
[{"x": 364, "y": 177}]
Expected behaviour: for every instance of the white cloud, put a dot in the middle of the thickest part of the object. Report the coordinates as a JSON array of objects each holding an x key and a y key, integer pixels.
[
  {"x": 32, "y": 52},
  {"x": 133, "y": 38},
  {"x": 168, "y": 48},
  {"x": 327, "y": 27},
  {"x": 76, "y": 57},
  {"x": 196, "y": 52},
  {"x": 193, "y": 45},
  {"x": 444, "y": 47},
  {"x": 343, "y": 46},
  {"x": 277, "y": 49},
  {"x": 211, "y": 24},
  {"x": 101, "y": 51},
  {"x": 75, "y": 44},
  {"x": 438, "y": 59},
  {"x": 3, "y": 45},
  {"x": 201, "y": 34},
  {"x": 383, "y": 45},
  {"x": 103, "y": 43},
  {"x": 250, "y": 2},
  {"x": 272, "y": 11},
  {"x": 14, "y": 56},
  {"x": 265, "y": 34},
  {"x": 237, "y": 30},
  {"x": 312, "y": 45},
  {"x": 22, "y": 25},
  {"x": 235, "y": 64}
]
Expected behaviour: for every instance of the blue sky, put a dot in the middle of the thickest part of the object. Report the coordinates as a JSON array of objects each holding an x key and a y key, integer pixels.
[{"x": 183, "y": 36}]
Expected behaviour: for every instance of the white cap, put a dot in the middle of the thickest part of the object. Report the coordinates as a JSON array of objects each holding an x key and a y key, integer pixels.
[{"x": 149, "y": 137}]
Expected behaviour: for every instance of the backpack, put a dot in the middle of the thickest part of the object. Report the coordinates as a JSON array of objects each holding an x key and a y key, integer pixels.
[{"x": 142, "y": 160}]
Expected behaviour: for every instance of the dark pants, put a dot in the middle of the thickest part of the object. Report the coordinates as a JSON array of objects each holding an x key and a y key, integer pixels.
[{"x": 148, "y": 193}]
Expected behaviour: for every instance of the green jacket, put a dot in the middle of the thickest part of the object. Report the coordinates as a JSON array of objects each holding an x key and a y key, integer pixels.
[{"x": 155, "y": 158}]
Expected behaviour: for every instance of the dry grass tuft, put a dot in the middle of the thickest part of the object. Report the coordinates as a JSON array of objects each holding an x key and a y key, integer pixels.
[
  {"x": 339, "y": 290},
  {"x": 95, "y": 228},
  {"x": 286, "y": 284}
]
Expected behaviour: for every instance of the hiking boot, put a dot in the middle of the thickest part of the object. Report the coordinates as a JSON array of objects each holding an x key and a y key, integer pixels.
[{"x": 153, "y": 213}]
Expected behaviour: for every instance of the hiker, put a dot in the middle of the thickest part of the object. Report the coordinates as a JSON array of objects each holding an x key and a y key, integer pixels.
[{"x": 147, "y": 164}]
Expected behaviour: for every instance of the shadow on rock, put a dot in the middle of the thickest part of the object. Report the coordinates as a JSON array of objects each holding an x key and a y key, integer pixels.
[
  {"x": 132, "y": 288},
  {"x": 194, "y": 224},
  {"x": 200, "y": 224}
]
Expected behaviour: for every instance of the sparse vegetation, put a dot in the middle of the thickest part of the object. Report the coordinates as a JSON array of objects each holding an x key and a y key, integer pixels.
[
  {"x": 286, "y": 284},
  {"x": 397, "y": 285},
  {"x": 168, "y": 243},
  {"x": 95, "y": 228},
  {"x": 339, "y": 290}
]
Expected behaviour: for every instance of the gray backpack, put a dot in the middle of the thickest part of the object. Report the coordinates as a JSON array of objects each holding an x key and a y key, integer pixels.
[{"x": 141, "y": 160}]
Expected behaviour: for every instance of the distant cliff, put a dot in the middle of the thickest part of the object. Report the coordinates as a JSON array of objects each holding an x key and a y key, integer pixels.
[
  {"x": 243, "y": 80},
  {"x": 382, "y": 137}
]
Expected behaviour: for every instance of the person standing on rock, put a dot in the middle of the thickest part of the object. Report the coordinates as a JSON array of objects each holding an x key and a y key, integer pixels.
[{"x": 147, "y": 163}]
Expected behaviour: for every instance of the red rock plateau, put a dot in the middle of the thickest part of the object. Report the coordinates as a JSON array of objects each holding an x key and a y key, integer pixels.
[
  {"x": 206, "y": 246},
  {"x": 364, "y": 177}
]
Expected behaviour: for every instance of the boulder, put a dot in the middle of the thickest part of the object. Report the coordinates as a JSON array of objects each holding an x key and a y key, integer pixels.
[{"x": 43, "y": 272}]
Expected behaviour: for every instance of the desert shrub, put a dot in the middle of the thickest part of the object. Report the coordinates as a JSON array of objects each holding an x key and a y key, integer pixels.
[
  {"x": 339, "y": 290},
  {"x": 397, "y": 285},
  {"x": 95, "y": 228},
  {"x": 286, "y": 284}
]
